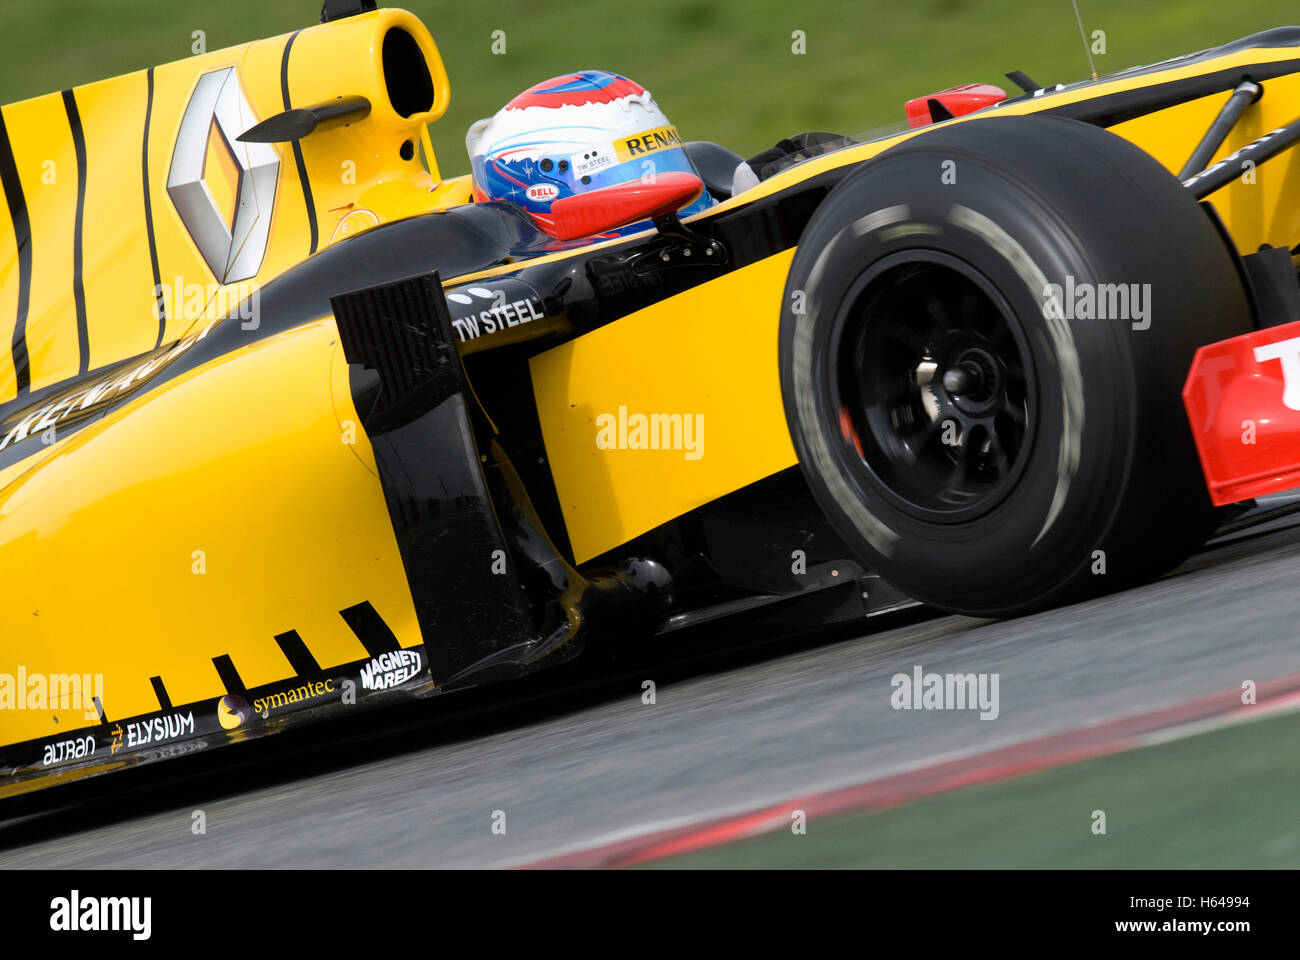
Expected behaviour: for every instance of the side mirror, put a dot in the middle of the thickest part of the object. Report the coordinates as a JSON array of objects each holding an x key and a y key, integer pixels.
[
  {"x": 951, "y": 103},
  {"x": 596, "y": 211}
]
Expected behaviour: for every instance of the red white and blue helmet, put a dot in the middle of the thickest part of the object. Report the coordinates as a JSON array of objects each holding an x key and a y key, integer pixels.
[{"x": 570, "y": 135}]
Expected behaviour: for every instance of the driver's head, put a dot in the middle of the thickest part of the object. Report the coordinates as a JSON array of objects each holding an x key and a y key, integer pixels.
[{"x": 572, "y": 134}]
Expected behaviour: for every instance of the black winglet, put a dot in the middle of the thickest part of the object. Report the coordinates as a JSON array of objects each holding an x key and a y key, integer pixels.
[
  {"x": 938, "y": 112},
  {"x": 1022, "y": 81},
  {"x": 338, "y": 9},
  {"x": 299, "y": 122}
]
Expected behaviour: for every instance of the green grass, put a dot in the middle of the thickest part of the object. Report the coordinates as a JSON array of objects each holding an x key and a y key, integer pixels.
[
  {"x": 1227, "y": 799},
  {"x": 722, "y": 69}
]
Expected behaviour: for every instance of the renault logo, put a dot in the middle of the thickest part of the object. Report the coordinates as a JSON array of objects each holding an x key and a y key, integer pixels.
[{"x": 223, "y": 190}]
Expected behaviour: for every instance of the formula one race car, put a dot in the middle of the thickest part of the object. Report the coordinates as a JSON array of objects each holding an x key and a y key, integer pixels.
[{"x": 289, "y": 423}]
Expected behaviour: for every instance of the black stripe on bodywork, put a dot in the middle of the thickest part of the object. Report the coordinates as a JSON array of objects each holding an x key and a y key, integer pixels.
[
  {"x": 159, "y": 691},
  {"x": 296, "y": 652},
  {"x": 370, "y": 629},
  {"x": 1110, "y": 109},
  {"x": 297, "y": 146},
  {"x": 78, "y": 289},
  {"x": 23, "y": 240},
  {"x": 99, "y": 709},
  {"x": 148, "y": 214},
  {"x": 228, "y": 674}
]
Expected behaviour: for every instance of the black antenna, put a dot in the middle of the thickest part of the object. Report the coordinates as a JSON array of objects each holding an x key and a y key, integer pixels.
[{"x": 1086, "y": 49}]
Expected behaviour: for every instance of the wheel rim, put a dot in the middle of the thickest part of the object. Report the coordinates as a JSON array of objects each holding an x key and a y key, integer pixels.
[{"x": 935, "y": 387}]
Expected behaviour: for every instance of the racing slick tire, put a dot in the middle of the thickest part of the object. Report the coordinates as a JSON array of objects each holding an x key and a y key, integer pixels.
[{"x": 983, "y": 343}]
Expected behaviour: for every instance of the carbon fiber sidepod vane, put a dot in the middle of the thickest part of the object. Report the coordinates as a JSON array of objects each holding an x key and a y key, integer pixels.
[
  {"x": 429, "y": 468},
  {"x": 402, "y": 331}
]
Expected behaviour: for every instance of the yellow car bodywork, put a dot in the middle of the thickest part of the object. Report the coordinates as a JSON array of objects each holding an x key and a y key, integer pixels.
[{"x": 142, "y": 545}]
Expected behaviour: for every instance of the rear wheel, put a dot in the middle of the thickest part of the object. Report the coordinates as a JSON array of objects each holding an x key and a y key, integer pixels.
[{"x": 985, "y": 336}]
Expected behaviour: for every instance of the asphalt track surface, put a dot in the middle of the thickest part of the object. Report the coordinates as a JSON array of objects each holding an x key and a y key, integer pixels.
[{"x": 579, "y": 763}]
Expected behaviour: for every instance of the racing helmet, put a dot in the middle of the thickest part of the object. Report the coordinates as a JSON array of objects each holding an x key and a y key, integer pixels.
[{"x": 570, "y": 135}]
